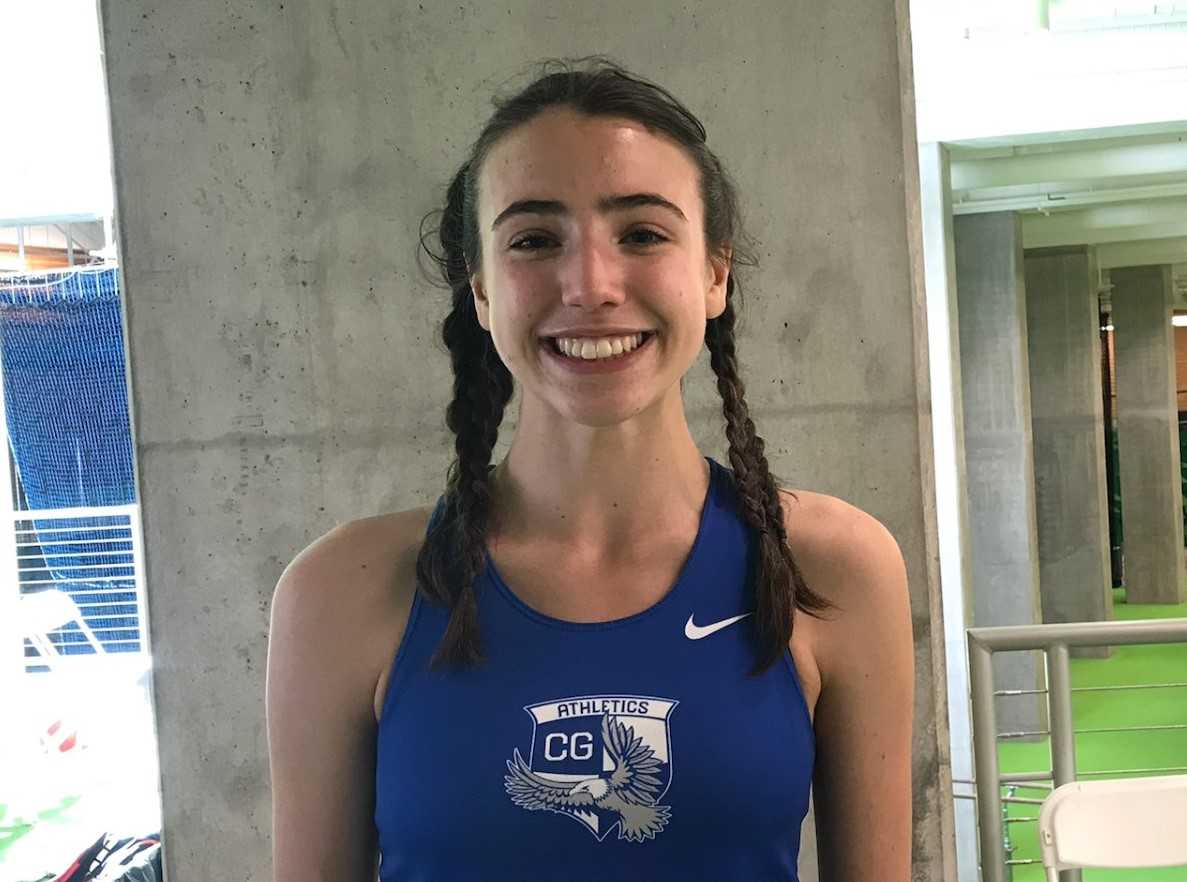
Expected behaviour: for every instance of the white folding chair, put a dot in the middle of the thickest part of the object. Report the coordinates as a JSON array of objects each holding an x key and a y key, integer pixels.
[
  {"x": 45, "y": 611},
  {"x": 1126, "y": 822}
]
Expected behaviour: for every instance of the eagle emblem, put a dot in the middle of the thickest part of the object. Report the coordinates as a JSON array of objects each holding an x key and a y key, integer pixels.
[{"x": 603, "y": 761}]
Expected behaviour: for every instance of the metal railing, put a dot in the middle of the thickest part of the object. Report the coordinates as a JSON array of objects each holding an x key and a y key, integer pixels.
[
  {"x": 1054, "y": 640},
  {"x": 94, "y": 556}
]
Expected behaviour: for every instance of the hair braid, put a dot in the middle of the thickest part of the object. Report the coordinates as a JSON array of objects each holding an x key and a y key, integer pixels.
[
  {"x": 454, "y": 553},
  {"x": 779, "y": 584}
]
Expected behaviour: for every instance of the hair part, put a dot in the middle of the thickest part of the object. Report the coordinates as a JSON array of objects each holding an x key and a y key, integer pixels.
[{"x": 454, "y": 551}]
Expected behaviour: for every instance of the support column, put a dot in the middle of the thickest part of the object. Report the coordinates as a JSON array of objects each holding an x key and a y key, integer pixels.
[
  {"x": 1148, "y": 434},
  {"x": 1063, "y": 317},
  {"x": 952, "y": 510},
  {"x": 995, "y": 386}
]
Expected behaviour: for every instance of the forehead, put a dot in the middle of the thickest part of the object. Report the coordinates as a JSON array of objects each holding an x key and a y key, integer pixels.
[{"x": 565, "y": 155}]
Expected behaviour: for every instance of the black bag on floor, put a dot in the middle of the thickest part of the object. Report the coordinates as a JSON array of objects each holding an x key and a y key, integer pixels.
[{"x": 131, "y": 859}]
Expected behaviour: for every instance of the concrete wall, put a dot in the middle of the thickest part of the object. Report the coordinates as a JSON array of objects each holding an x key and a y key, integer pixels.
[
  {"x": 1067, "y": 411},
  {"x": 1148, "y": 434},
  {"x": 995, "y": 384},
  {"x": 272, "y": 166}
]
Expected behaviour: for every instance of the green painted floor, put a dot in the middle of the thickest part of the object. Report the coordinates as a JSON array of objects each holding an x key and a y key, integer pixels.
[
  {"x": 13, "y": 831},
  {"x": 1106, "y": 751}
]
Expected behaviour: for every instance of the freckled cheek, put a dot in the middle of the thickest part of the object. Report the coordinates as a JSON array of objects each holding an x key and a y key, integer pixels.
[
  {"x": 665, "y": 283},
  {"x": 516, "y": 320},
  {"x": 524, "y": 288},
  {"x": 521, "y": 287}
]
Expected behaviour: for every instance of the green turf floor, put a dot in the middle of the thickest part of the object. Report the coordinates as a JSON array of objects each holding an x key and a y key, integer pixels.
[
  {"x": 13, "y": 831},
  {"x": 1106, "y": 751}
]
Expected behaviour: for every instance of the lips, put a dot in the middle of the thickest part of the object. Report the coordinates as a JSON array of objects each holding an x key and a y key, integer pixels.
[{"x": 594, "y": 333}]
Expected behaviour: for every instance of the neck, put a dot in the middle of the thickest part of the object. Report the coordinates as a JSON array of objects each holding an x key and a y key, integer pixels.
[{"x": 601, "y": 490}]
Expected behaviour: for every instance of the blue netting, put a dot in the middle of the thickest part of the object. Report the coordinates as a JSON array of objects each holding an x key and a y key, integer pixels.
[
  {"x": 64, "y": 388},
  {"x": 65, "y": 393}
]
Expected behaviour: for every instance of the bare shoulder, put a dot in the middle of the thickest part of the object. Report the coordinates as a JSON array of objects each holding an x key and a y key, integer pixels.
[
  {"x": 864, "y": 651},
  {"x": 353, "y": 587},
  {"x": 357, "y": 563},
  {"x": 837, "y": 540},
  {"x": 338, "y": 611},
  {"x": 851, "y": 559}
]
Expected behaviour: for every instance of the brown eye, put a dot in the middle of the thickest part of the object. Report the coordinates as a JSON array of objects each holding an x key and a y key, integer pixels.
[
  {"x": 529, "y": 243},
  {"x": 648, "y": 237}
]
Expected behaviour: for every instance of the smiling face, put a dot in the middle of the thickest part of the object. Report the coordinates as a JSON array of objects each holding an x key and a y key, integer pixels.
[{"x": 592, "y": 227}]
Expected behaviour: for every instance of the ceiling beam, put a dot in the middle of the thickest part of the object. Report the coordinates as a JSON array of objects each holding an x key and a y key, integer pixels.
[
  {"x": 1118, "y": 222},
  {"x": 1117, "y": 254},
  {"x": 1062, "y": 139},
  {"x": 1070, "y": 235},
  {"x": 1067, "y": 165},
  {"x": 1045, "y": 197}
]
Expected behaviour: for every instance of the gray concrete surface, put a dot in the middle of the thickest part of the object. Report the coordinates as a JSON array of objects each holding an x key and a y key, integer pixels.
[
  {"x": 1148, "y": 434},
  {"x": 1067, "y": 412},
  {"x": 995, "y": 387},
  {"x": 272, "y": 166}
]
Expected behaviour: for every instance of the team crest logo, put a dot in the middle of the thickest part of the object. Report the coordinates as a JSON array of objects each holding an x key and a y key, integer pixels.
[{"x": 603, "y": 760}]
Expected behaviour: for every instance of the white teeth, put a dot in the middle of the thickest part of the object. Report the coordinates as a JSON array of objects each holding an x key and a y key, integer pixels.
[{"x": 591, "y": 349}]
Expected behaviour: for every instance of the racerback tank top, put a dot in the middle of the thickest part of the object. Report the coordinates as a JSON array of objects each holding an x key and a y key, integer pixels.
[{"x": 635, "y": 749}]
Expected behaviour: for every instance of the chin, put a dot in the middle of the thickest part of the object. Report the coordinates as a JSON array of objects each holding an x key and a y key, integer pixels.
[
  {"x": 600, "y": 419},
  {"x": 605, "y": 415}
]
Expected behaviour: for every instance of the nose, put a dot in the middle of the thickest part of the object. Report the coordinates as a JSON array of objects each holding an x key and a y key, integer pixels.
[{"x": 591, "y": 274}]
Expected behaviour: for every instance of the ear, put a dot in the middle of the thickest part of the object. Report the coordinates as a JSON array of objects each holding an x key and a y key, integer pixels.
[
  {"x": 481, "y": 303},
  {"x": 717, "y": 271}
]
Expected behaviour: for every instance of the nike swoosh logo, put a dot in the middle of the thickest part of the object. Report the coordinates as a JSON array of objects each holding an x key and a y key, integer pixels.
[{"x": 695, "y": 632}]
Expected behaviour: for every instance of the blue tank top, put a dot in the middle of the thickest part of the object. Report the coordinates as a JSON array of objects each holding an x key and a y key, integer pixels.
[{"x": 636, "y": 749}]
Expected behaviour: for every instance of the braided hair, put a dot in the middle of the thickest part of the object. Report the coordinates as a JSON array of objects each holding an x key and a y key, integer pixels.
[{"x": 454, "y": 551}]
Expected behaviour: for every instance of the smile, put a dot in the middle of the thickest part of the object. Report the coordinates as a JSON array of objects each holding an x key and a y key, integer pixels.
[
  {"x": 591, "y": 348},
  {"x": 596, "y": 355}
]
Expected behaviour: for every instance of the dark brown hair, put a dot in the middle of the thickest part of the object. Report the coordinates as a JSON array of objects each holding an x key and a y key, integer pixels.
[{"x": 454, "y": 552}]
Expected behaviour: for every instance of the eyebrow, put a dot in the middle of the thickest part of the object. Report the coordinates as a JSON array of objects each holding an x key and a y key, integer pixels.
[{"x": 605, "y": 205}]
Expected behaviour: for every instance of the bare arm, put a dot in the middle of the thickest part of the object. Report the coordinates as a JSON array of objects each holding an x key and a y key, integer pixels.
[
  {"x": 862, "y": 779},
  {"x": 321, "y": 725}
]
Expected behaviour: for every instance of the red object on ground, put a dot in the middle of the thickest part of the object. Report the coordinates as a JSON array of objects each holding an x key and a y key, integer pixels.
[{"x": 65, "y": 744}]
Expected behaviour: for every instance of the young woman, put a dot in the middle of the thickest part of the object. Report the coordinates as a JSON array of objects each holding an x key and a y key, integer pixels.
[{"x": 589, "y": 661}]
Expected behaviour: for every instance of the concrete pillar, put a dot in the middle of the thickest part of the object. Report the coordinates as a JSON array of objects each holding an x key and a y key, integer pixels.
[
  {"x": 1148, "y": 434},
  {"x": 952, "y": 507},
  {"x": 995, "y": 384},
  {"x": 272, "y": 170},
  {"x": 1067, "y": 414}
]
